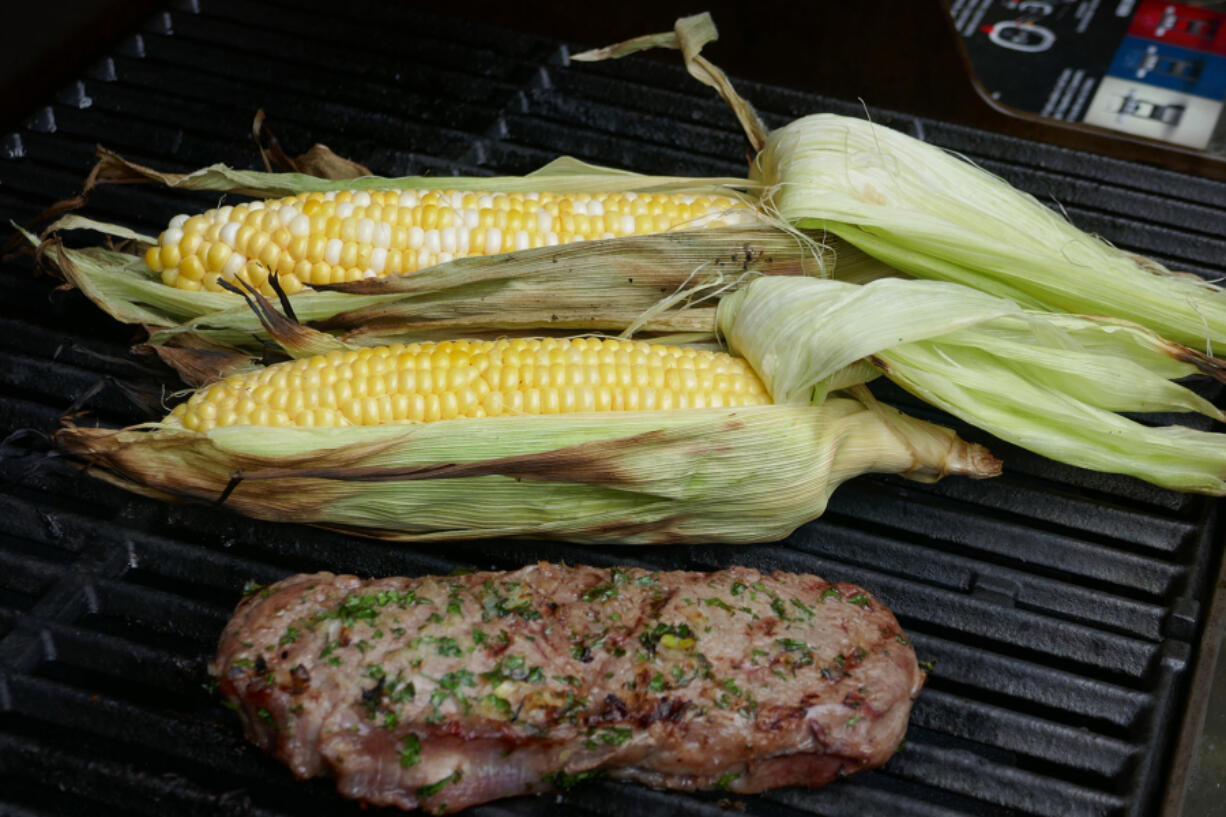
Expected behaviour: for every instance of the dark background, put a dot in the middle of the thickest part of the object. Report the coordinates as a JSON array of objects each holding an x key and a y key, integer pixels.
[{"x": 901, "y": 55}]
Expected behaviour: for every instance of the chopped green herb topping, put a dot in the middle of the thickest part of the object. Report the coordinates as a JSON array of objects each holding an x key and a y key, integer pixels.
[
  {"x": 668, "y": 635},
  {"x": 565, "y": 780},
  {"x": 860, "y": 600},
  {"x": 573, "y": 706},
  {"x": 448, "y": 647},
  {"x": 830, "y": 592},
  {"x": 791, "y": 645},
  {"x": 437, "y": 786},
  {"x": 501, "y": 705},
  {"x": 725, "y": 781},
  {"x": 398, "y": 693},
  {"x": 613, "y": 736},
  {"x": 808, "y": 611},
  {"x": 601, "y": 593},
  {"x": 514, "y": 668},
  {"x": 494, "y": 605},
  {"x": 356, "y": 607}
]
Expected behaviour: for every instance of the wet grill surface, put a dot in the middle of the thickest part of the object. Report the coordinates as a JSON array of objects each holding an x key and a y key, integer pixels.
[{"x": 1061, "y": 607}]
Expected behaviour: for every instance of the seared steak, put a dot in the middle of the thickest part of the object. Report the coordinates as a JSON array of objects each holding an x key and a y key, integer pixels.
[{"x": 443, "y": 692}]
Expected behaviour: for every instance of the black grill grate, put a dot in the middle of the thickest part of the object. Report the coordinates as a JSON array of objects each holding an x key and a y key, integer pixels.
[{"x": 1061, "y": 606}]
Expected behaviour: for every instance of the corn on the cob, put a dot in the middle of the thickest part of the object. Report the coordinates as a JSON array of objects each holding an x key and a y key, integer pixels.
[
  {"x": 336, "y": 237},
  {"x": 744, "y": 474},
  {"x": 422, "y": 382}
]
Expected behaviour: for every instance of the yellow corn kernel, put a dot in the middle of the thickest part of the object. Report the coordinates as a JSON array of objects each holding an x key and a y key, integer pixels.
[
  {"x": 454, "y": 379},
  {"x": 412, "y": 229}
]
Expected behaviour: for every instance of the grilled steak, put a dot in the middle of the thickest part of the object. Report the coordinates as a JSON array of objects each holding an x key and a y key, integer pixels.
[{"x": 443, "y": 692}]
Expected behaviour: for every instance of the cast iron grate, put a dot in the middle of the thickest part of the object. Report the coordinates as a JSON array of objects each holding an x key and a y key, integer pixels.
[{"x": 1060, "y": 606}]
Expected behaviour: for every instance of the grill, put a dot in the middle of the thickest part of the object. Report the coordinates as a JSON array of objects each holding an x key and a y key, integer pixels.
[{"x": 1062, "y": 608}]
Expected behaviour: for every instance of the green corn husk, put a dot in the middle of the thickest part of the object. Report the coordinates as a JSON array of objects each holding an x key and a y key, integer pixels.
[
  {"x": 931, "y": 214},
  {"x": 1053, "y": 384},
  {"x": 707, "y": 475}
]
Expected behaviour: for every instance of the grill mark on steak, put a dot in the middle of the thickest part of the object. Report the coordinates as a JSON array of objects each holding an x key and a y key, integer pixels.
[{"x": 444, "y": 692}]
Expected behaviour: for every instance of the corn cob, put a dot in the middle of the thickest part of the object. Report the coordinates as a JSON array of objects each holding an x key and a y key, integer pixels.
[
  {"x": 423, "y": 382},
  {"x": 336, "y": 237},
  {"x": 743, "y": 474}
]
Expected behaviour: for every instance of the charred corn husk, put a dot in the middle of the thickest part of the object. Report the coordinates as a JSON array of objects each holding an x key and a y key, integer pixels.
[
  {"x": 353, "y": 235},
  {"x": 1051, "y": 383},
  {"x": 743, "y": 471}
]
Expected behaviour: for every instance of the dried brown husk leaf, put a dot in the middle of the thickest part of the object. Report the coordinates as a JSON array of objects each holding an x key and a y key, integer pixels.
[{"x": 662, "y": 284}]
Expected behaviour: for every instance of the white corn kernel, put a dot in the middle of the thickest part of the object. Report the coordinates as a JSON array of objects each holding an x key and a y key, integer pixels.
[
  {"x": 233, "y": 265},
  {"x": 332, "y": 252}
]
